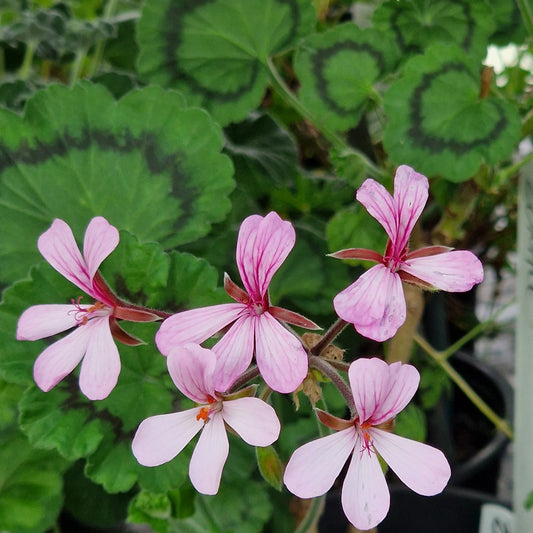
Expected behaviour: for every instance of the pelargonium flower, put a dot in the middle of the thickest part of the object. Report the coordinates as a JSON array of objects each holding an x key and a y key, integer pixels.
[
  {"x": 160, "y": 438},
  {"x": 262, "y": 246},
  {"x": 375, "y": 303},
  {"x": 380, "y": 392},
  {"x": 95, "y": 324}
]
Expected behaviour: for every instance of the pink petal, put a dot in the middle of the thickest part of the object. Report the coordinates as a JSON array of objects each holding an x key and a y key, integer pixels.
[
  {"x": 60, "y": 358},
  {"x": 101, "y": 238},
  {"x": 209, "y": 456},
  {"x": 456, "y": 271},
  {"x": 280, "y": 356},
  {"x": 41, "y": 321},
  {"x": 411, "y": 191},
  {"x": 191, "y": 368},
  {"x": 253, "y": 419},
  {"x": 422, "y": 468},
  {"x": 101, "y": 365},
  {"x": 195, "y": 325},
  {"x": 365, "y": 495},
  {"x": 58, "y": 246},
  {"x": 262, "y": 246},
  {"x": 234, "y": 353},
  {"x": 380, "y": 204},
  {"x": 374, "y": 304},
  {"x": 160, "y": 438},
  {"x": 380, "y": 390},
  {"x": 313, "y": 467}
]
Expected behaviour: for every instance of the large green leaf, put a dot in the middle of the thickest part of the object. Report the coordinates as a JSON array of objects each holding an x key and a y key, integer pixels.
[
  {"x": 30, "y": 486},
  {"x": 338, "y": 71},
  {"x": 419, "y": 23},
  {"x": 216, "y": 51},
  {"x": 439, "y": 124},
  {"x": 147, "y": 163}
]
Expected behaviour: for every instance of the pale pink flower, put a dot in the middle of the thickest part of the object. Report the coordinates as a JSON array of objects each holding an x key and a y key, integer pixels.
[
  {"x": 262, "y": 246},
  {"x": 160, "y": 438},
  {"x": 380, "y": 392},
  {"x": 95, "y": 324},
  {"x": 375, "y": 303}
]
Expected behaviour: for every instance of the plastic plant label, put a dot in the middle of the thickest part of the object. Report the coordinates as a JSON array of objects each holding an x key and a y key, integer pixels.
[{"x": 496, "y": 519}]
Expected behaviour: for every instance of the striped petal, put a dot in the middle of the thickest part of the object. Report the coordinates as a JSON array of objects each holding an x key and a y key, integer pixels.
[
  {"x": 41, "y": 321},
  {"x": 101, "y": 238}
]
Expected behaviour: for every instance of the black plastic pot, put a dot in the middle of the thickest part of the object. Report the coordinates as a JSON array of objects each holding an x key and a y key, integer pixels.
[{"x": 473, "y": 446}]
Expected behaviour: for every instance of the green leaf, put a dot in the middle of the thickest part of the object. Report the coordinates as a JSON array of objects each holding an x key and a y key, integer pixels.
[
  {"x": 270, "y": 466},
  {"x": 9, "y": 398},
  {"x": 77, "y": 153},
  {"x": 154, "y": 509},
  {"x": 419, "y": 23},
  {"x": 264, "y": 154},
  {"x": 411, "y": 423},
  {"x": 528, "y": 504},
  {"x": 438, "y": 124},
  {"x": 30, "y": 486},
  {"x": 216, "y": 51},
  {"x": 338, "y": 71}
]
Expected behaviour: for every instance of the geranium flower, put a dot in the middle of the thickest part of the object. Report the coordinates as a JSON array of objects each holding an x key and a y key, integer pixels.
[
  {"x": 375, "y": 303},
  {"x": 262, "y": 246},
  {"x": 380, "y": 392},
  {"x": 96, "y": 323},
  {"x": 160, "y": 438}
]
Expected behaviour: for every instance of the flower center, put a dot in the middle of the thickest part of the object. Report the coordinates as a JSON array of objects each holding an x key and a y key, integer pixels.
[
  {"x": 206, "y": 410},
  {"x": 367, "y": 438},
  {"x": 82, "y": 315}
]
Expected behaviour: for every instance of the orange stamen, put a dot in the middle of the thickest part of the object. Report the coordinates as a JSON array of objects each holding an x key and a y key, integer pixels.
[{"x": 203, "y": 414}]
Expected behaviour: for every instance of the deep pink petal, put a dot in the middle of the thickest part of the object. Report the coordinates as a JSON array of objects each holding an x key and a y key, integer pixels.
[
  {"x": 41, "y": 321},
  {"x": 209, "y": 456},
  {"x": 313, "y": 467},
  {"x": 422, "y": 468},
  {"x": 195, "y": 325},
  {"x": 100, "y": 367},
  {"x": 160, "y": 438},
  {"x": 253, "y": 419},
  {"x": 374, "y": 304},
  {"x": 234, "y": 353},
  {"x": 60, "y": 358},
  {"x": 262, "y": 246},
  {"x": 456, "y": 271},
  {"x": 365, "y": 495},
  {"x": 58, "y": 246},
  {"x": 380, "y": 204},
  {"x": 380, "y": 390},
  {"x": 101, "y": 238},
  {"x": 192, "y": 368},
  {"x": 280, "y": 356},
  {"x": 411, "y": 191}
]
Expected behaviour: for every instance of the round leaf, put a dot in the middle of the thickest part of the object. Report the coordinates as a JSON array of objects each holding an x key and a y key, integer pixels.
[{"x": 438, "y": 123}]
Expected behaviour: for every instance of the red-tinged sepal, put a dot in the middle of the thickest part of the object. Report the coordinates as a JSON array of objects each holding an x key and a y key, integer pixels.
[
  {"x": 358, "y": 253},
  {"x": 243, "y": 393},
  {"x": 413, "y": 280},
  {"x": 292, "y": 318},
  {"x": 427, "y": 251},
  {"x": 235, "y": 291},
  {"x": 120, "y": 335},
  {"x": 332, "y": 421},
  {"x": 134, "y": 315}
]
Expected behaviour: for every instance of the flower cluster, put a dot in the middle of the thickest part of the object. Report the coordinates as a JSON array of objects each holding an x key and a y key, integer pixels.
[{"x": 216, "y": 379}]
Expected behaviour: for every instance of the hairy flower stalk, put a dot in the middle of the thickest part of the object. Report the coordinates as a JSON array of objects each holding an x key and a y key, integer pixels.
[
  {"x": 380, "y": 391},
  {"x": 375, "y": 302},
  {"x": 94, "y": 325}
]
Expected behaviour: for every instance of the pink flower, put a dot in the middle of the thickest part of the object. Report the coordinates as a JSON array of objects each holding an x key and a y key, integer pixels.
[
  {"x": 160, "y": 438},
  {"x": 95, "y": 324},
  {"x": 380, "y": 392},
  {"x": 262, "y": 246},
  {"x": 375, "y": 303}
]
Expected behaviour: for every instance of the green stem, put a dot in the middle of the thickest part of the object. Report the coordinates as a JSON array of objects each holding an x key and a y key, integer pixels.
[
  {"x": 527, "y": 14},
  {"x": 311, "y": 518},
  {"x": 513, "y": 169},
  {"x": 438, "y": 357},
  {"x": 329, "y": 336},
  {"x": 77, "y": 65},
  {"x": 338, "y": 143},
  {"x": 109, "y": 10},
  {"x": 25, "y": 68}
]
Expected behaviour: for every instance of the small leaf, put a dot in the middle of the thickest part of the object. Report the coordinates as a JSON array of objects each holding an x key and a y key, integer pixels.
[
  {"x": 150, "y": 508},
  {"x": 528, "y": 504},
  {"x": 216, "y": 51},
  {"x": 411, "y": 423},
  {"x": 270, "y": 466},
  {"x": 438, "y": 123}
]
